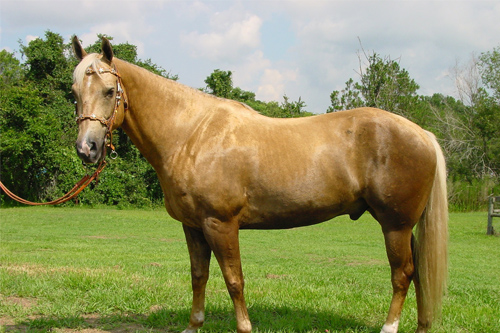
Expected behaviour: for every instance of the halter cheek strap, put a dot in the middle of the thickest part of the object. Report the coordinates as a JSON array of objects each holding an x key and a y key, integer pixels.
[{"x": 108, "y": 123}]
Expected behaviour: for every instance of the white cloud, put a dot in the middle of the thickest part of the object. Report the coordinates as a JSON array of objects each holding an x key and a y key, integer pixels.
[
  {"x": 195, "y": 9},
  {"x": 231, "y": 37},
  {"x": 248, "y": 71},
  {"x": 273, "y": 82},
  {"x": 120, "y": 31},
  {"x": 30, "y": 38}
]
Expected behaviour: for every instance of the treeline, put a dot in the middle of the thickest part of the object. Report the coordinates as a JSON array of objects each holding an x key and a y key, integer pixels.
[{"x": 38, "y": 130}]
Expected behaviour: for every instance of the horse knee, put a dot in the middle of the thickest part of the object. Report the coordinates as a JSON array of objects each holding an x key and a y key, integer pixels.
[
  {"x": 199, "y": 277},
  {"x": 235, "y": 287}
]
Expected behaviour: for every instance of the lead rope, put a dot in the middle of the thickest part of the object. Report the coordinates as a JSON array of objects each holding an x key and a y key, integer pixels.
[
  {"x": 83, "y": 183},
  {"x": 87, "y": 179}
]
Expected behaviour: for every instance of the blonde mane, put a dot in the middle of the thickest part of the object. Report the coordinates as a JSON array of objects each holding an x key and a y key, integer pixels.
[{"x": 91, "y": 60}]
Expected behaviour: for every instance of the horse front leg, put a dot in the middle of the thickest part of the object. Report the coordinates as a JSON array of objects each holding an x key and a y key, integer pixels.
[
  {"x": 199, "y": 254},
  {"x": 223, "y": 239}
]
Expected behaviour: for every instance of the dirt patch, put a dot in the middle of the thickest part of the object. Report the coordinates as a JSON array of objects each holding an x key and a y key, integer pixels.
[
  {"x": 155, "y": 308},
  {"x": 92, "y": 323},
  {"x": 86, "y": 330},
  {"x": 6, "y": 321},
  {"x": 24, "y": 302},
  {"x": 34, "y": 270},
  {"x": 155, "y": 264}
]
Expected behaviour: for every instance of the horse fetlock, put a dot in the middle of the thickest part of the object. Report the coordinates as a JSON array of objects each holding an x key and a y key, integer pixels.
[
  {"x": 245, "y": 327},
  {"x": 390, "y": 328},
  {"x": 190, "y": 330},
  {"x": 197, "y": 319},
  {"x": 423, "y": 327}
]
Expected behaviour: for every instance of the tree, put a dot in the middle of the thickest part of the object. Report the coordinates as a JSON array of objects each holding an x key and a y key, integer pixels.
[
  {"x": 489, "y": 67},
  {"x": 48, "y": 65},
  {"x": 34, "y": 119},
  {"x": 470, "y": 127},
  {"x": 383, "y": 84},
  {"x": 37, "y": 130},
  {"x": 293, "y": 109},
  {"x": 220, "y": 83},
  {"x": 10, "y": 69},
  {"x": 349, "y": 98}
]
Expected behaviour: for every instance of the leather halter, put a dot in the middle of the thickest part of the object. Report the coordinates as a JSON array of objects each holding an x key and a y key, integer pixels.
[{"x": 108, "y": 123}]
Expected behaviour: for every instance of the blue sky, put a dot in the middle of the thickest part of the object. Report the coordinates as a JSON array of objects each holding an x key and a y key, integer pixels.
[{"x": 302, "y": 49}]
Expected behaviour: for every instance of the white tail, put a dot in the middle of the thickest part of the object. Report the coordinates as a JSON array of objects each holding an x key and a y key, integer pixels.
[{"x": 431, "y": 254}]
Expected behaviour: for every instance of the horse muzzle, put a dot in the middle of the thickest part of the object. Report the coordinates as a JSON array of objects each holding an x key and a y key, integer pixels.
[{"x": 90, "y": 150}]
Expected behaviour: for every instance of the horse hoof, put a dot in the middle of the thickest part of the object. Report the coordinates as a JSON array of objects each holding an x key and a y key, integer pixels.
[{"x": 190, "y": 330}]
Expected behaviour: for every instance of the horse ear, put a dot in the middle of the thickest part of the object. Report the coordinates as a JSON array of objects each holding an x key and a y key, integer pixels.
[
  {"x": 78, "y": 49},
  {"x": 107, "y": 50}
]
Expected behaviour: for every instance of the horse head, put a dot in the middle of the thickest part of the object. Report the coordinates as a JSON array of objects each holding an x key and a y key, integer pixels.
[{"x": 100, "y": 101}]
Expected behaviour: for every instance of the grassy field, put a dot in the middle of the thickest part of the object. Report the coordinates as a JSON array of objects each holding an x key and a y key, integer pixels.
[{"x": 93, "y": 270}]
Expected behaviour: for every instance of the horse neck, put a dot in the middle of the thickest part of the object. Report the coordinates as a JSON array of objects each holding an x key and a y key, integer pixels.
[{"x": 157, "y": 120}]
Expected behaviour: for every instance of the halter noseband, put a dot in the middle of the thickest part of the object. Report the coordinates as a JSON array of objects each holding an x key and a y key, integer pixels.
[{"x": 108, "y": 123}]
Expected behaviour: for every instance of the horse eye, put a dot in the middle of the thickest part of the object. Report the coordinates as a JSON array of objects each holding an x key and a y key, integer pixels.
[
  {"x": 76, "y": 107},
  {"x": 110, "y": 92}
]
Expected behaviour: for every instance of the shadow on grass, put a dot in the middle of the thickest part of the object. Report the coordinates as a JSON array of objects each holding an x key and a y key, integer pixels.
[{"x": 264, "y": 319}]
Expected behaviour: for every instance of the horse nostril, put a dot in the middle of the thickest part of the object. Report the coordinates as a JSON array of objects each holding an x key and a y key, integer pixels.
[{"x": 92, "y": 145}]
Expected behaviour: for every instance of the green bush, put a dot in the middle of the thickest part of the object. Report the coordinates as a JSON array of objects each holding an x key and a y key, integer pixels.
[{"x": 469, "y": 196}]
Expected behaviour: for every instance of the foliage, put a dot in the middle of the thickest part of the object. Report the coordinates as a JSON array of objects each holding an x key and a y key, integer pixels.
[
  {"x": 384, "y": 85},
  {"x": 48, "y": 65},
  {"x": 469, "y": 128},
  {"x": 34, "y": 119},
  {"x": 489, "y": 67},
  {"x": 10, "y": 69},
  {"x": 471, "y": 195},
  {"x": 38, "y": 130},
  {"x": 220, "y": 84}
]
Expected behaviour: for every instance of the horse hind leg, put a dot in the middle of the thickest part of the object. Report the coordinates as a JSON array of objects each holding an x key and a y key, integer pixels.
[
  {"x": 399, "y": 253},
  {"x": 199, "y": 253}
]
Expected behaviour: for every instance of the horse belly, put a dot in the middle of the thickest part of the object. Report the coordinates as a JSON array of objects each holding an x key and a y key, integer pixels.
[
  {"x": 288, "y": 221},
  {"x": 303, "y": 206}
]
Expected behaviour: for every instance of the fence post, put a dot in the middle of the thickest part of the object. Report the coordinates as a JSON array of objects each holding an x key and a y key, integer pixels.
[{"x": 492, "y": 212}]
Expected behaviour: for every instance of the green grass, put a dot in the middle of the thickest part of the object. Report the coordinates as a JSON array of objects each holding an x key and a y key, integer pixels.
[{"x": 70, "y": 270}]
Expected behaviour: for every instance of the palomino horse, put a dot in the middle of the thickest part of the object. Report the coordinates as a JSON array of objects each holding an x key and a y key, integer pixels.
[{"x": 224, "y": 167}]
